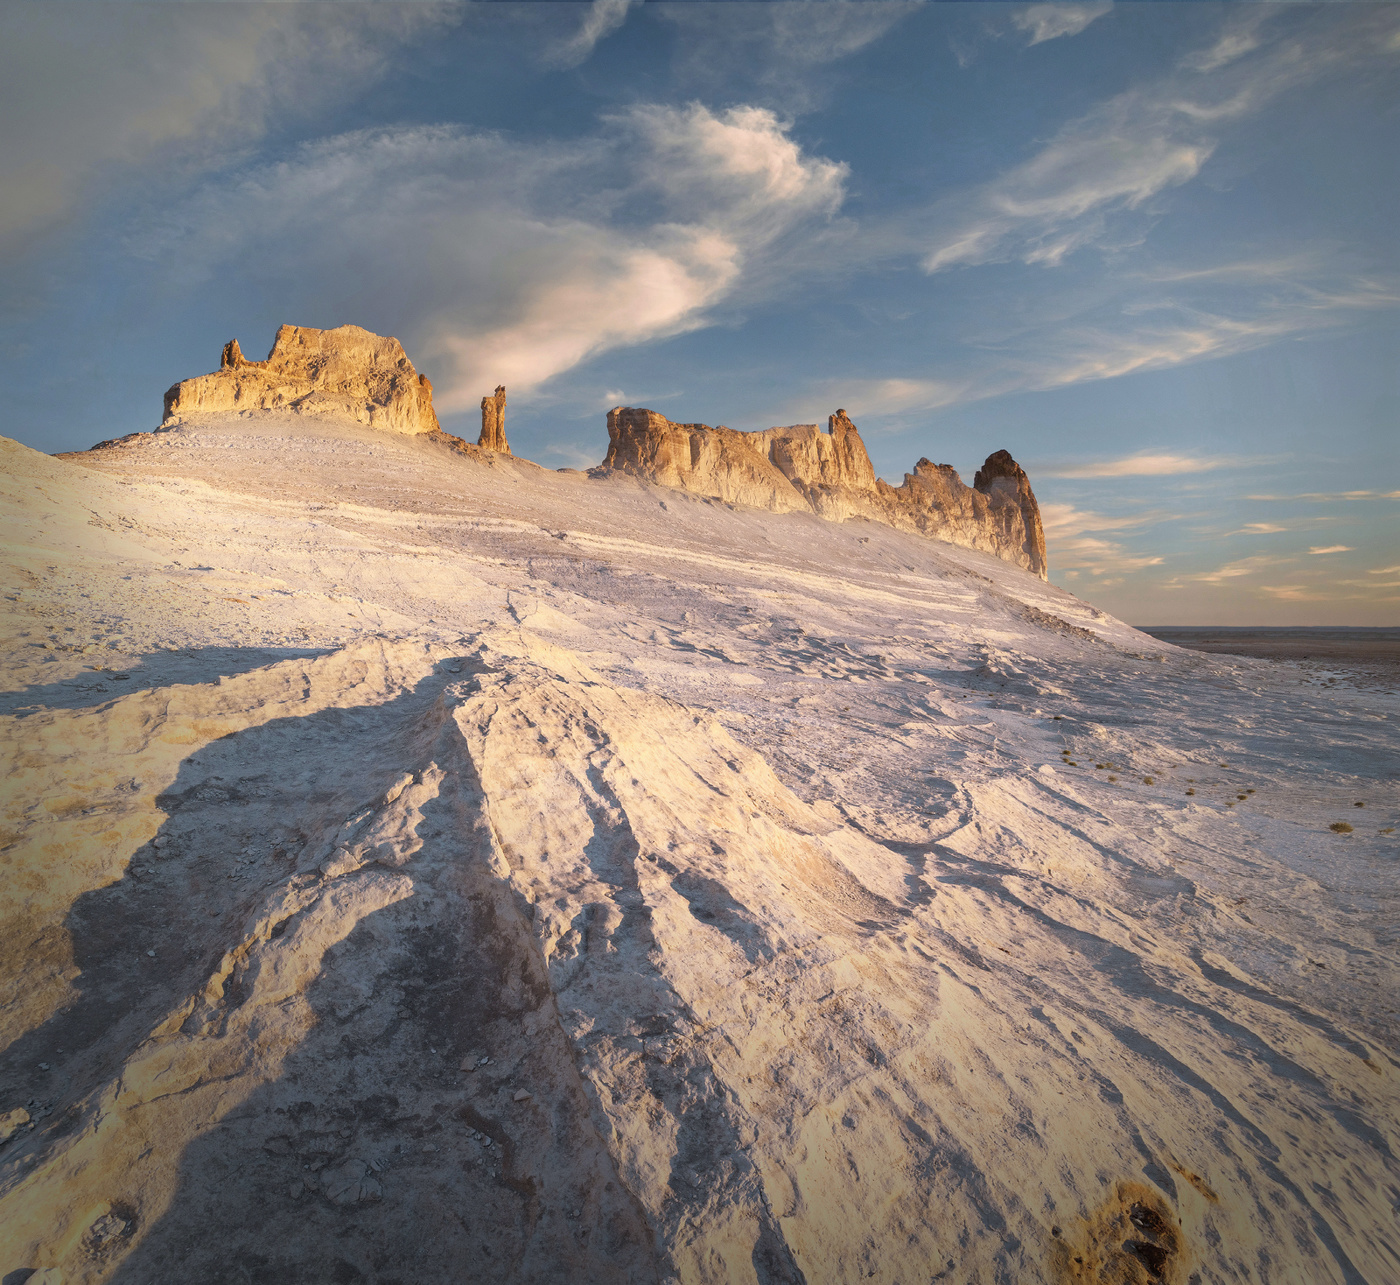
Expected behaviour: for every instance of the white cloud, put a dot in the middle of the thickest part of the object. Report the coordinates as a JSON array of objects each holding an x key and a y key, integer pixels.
[
  {"x": 1144, "y": 464},
  {"x": 774, "y": 49},
  {"x": 1384, "y": 571},
  {"x": 1235, "y": 570},
  {"x": 1074, "y": 543},
  {"x": 514, "y": 261},
  {"x": 1130, "y": 149},
  {"x": 1294, "y": 592},
  {"x": 85, "y": 99},
  {"x": 1048, "y": 21},
  {"x": 1259, "y": 528},
  {"x": 1241, "y": 38},
  {"x": 891, "y": 396},
  {"x": 603, "y": 17},
  {"x": 1331, "y": 495},
  {"x": 1331, "y": 548}
]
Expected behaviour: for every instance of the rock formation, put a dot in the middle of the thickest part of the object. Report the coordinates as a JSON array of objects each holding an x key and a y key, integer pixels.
[
  {"x": 493, "y": 422},
  {"x": 344, "y": 372},
  {"x": 800, "y": 468}
]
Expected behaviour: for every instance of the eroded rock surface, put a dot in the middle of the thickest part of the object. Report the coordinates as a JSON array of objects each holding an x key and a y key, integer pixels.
[
  {"x": 346, "y": 372},
  {"x": 493, "y": 422},
  {"x": 829, "y": 473},
  {"x": 414, "y": 878}
]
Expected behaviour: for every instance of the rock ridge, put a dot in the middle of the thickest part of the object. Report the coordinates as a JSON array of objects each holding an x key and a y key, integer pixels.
[
  {"x": 801, "y": 468},
  {"x": 347, "y": 371}
]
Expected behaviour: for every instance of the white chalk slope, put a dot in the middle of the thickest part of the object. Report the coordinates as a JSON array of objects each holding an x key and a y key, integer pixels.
[{"x": 419, "y": 869}]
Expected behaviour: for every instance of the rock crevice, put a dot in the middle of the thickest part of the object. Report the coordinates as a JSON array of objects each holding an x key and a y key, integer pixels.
[{"x": 801, "y": 468}]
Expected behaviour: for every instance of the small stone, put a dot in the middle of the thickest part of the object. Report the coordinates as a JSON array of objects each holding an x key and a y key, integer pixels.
[
  {"x": 151, "y": 954},
  {"x": 521, "y": 1095},
  {"x": 295, "y": 1190},
  {"x": 43, "y": 1066},
  {"x": 468, "y": 1064}
]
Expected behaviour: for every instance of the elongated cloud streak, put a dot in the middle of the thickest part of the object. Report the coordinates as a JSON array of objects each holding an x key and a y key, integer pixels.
[
  {"x": 516, "y": 279},
  {"x": 1049, "y": 21}
]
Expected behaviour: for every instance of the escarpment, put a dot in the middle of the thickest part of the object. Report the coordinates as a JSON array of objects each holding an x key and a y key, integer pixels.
[
  {"x": 346, "y": 372},
  {"x": 350, "y": 373},
  {"x": 801, "y": 468}
]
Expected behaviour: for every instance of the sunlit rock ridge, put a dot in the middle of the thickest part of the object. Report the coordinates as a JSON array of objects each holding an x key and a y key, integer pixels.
[
  {"x": 350, "y": 372},
  {"x": 345, "y": 372},
  {"x": 800, "y": 468}
]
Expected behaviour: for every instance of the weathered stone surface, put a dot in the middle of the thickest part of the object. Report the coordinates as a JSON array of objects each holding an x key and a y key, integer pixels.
[
  {"x": 1001, "y": 476},
  {"x": 493, "y": 422},
  {"x": 829, "y": 473},
  {"x": 719, "y": 462},
  {"x": 345, "y": 372}
]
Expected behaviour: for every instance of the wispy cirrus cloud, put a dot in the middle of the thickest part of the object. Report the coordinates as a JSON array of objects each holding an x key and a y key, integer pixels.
[
  {"x": 1077, "y": 540},
  {"x": 1230, "y": 571},
  {"x": 601, "y": 18},
  {"x": 1331, "y": 495},
  {"x": 1043, "y": 22},
  {"x": 1144, "y": 464},
  {"x": 1331, "y": 548},
  {"x": 1118, "y": 157},
  {"x": 775, "y": 49},
  {"x": 130, "y": 86},
  {"x": 516, "y": 280}
]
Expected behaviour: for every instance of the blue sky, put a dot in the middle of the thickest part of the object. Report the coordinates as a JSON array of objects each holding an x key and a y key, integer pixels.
[{"x": 1149, "y": 248}]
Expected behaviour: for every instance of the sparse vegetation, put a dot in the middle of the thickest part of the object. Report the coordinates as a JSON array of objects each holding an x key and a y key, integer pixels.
[
  {"x": 1340, "y": 827},
  {"x": 1147, "y": 780},
  {"x": 1112, "y": 778},
  {"x": 1358, "y": 805},
  {"x": 1190, "y": 791}
]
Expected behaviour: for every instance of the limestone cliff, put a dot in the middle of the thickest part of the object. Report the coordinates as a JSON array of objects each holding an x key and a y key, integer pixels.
[
  {"x": 346, "y": 372},
  {"x": 829, "y": 473}
]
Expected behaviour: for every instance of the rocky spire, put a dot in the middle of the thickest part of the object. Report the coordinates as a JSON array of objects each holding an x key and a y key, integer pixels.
[
  {"x": 493, "y": 422},
  {"x": 1001, "y": 473}
]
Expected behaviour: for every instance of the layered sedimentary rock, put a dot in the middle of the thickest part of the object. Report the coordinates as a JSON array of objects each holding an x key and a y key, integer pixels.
[
  {"x": 829, "y": 473},
  {"x": 345, "y": 372},
  {"x": 493, "y": 422}
]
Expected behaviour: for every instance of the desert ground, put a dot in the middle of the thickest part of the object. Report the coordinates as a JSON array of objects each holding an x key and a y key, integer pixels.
[{"x": 421, "y": 868}]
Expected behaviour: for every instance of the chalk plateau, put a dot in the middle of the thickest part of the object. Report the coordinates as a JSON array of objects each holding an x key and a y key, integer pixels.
[
  {"x": 420, "y": 866},
  {"x": 347, "y": 373},
  {"x": 801, "y": 468}
]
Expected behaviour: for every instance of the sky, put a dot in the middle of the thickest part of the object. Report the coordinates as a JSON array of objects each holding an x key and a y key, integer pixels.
[{"x": 1149, "y": 248}]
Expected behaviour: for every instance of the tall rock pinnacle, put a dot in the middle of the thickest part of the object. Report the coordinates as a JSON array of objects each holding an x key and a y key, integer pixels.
[{"x": 493, "y": 422}]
